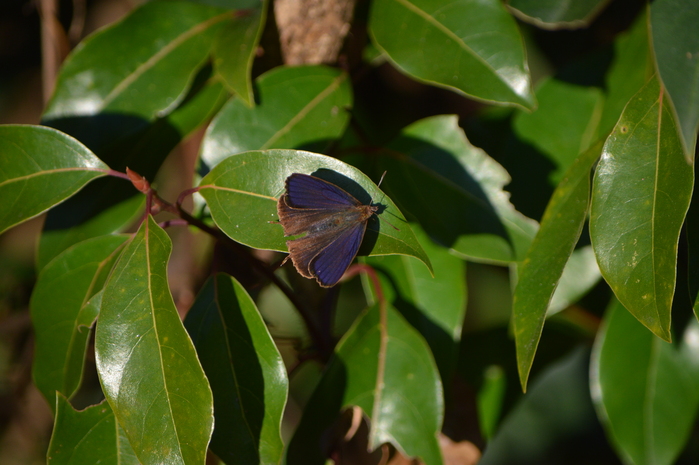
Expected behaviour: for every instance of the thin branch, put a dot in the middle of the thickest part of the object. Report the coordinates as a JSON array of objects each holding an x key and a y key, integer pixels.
[{"x": 319, "y": 339}]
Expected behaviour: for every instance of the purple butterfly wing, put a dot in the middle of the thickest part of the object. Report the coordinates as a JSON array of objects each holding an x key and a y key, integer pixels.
[
  {"x": 298, "y": 220},
  {"x": 332, "y": 262},
  {"x": 306, "y": 191}
]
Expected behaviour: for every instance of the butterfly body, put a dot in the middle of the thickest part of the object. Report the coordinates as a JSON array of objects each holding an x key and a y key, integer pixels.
[{"x": 334, "y": 223}]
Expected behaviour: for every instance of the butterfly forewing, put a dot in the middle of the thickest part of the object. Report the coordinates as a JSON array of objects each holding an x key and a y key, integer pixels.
[
  {"x": 298, "y": 220},
  {"x": 306, "y": 191}
]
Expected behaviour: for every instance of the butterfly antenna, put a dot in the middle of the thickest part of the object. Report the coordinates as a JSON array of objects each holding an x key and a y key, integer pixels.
[
  {"x": 381, "y": 180},
  {"x": 378, "y": 185}
]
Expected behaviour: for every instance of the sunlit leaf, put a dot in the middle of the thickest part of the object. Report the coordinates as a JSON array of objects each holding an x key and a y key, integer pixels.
[
  {"x": 246, "y": 372},
  {"x": 242, "y": 193},
  {"x": 236, "y": 47},
  {"x": 580, "y": 274},
  {"x": 110, "y": 205},
  {"x": 61, "y": 316},
  {"x": 140, "y": 66},
  {"x": 561, "y": 131},
  {"x": 541, "y": 270},
  {"x": 455, "y": 191},
  {"x": 300, "y": 107},
  {"x": 558, "y": 14},
  {"x": 147, "y": 364},
  {"x": 641, "y": 192},
  {"x": 88, "y": 436},
  {"x": 434, "y": 305},
  {"x": 54, "y": 241},
  {"x": 473, "y": 46},
  {"x": 34, "y": 157},
  {"x": 646, "y": 391},
  {"x": 383, "y": 366}
]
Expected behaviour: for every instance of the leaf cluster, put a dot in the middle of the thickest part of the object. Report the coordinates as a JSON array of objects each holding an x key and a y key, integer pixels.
[{"x": 575, "y": 185}]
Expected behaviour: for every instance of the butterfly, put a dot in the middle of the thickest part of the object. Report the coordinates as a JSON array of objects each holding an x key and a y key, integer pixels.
[{"x": 334, "y": 223}]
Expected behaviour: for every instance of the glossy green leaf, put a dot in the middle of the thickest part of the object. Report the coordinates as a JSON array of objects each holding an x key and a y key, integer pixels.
[
  {"x": 676, "y": 46},
  {"x": 630, "y": 70},
  {"x": 140, "y": 66},
  {"x": 235, "y": 47},
  {"x": 61, "y": 316},
  {"x": 434, "y": 305},
  {"x": 300, "y": 107},
  {"x": 541, "y": 270},
  {"x": 147, "y": 364},
  {"x": 34, "y": 157},
  {"x": 53, "y": 242},
  {"x": 641, "y": 192},
  {"x": 473, "y": 46},
  {"x": 563, "y": 125},
  {"x": 580, "y": 274},
  {"x": 556, "y": 409},
  {"x": 243, "y": 189},
  {"x": 246, "y": 372},
  {"x": 645, "y": 390},
  {"x": 383, "y": 366},
  {"x": 196, "y": 110},
  {"x": 111, "y": 205},
  {"x": 455, "y": 191},
  {"x": 88, "y": 436},
  {"x": 558, "y": 14}
]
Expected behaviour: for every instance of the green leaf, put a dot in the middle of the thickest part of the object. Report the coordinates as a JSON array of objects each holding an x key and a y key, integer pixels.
[
  {"x": 55, "y": 241},
  {"x": 434, "y": 305},
  {"x": 246, "y": 372},
  {"x": 300, "y": 107},
  {"x": 147, "y": 364},
  {"x": 194, "y": 112},
  {"x": 558, "y": 14},
  {"x": 490, "y": 400},
  {"x": 242, "y": 193},
  {"x": 235, "y": 47},
  {"x": 110, "y": 205},
  {"x": 455, "y": 191},
  {"x": 470, "y": 46},
  {"x": 541, "y": 270},
  {"x": 140, "y": 66},
  {"x": 61, "y": 316},
  {"x": 580, "y": 275},
  {"x": 87, "y": 436},
  {"x": 564, "y": 124},
  {"x": 383, "y": 366},
  {"x": 641, "y": 192},
  {"x": 646, "y": 391},
  {"x": 630, "y": 70},
  {"x": 676, "y": 46},
  {"x": 34, "y": 157}
]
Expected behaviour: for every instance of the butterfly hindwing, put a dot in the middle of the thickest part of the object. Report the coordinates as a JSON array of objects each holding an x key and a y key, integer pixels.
[
  {"x": 297, "y": 220},
  {"x": 331, "y": 262}
]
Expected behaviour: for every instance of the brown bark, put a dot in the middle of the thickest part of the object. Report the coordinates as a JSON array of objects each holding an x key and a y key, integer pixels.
[{"x": 312, "y": 31}]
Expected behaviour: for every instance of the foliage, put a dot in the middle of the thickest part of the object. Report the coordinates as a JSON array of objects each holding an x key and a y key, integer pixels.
[{"x": 597, "y": 158}]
